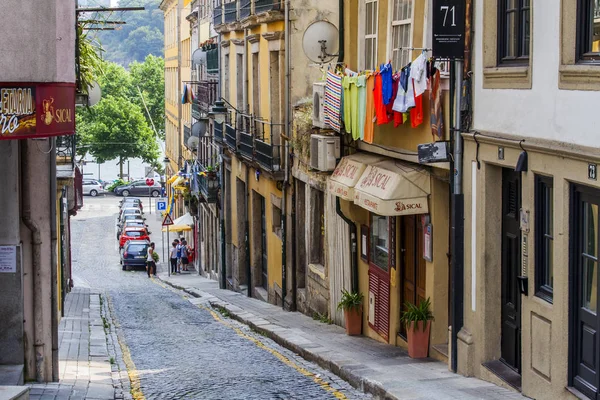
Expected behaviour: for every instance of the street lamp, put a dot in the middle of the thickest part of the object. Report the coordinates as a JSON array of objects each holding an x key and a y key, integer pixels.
[{"x": 218, "y": 112}]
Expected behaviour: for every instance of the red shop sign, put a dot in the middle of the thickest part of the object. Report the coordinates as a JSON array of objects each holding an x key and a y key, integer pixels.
[{"x": 36, "y": 110}]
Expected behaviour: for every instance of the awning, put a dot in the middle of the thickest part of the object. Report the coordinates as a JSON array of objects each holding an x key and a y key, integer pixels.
[
  {"x": 177, "y": 228},
  {"x": 185, "y": 219},
  {"x": 393, "y": 188},
  {"x": 348, "y": 172}
]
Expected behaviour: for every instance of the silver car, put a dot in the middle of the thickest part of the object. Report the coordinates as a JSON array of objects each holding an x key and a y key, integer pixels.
[{"x": 92, "y": 187}]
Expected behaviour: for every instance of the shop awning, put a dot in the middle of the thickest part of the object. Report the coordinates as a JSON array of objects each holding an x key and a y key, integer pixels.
[
  {"x": 393, "y": 188},
  {"x": 177, "y": 228},
  {"x": 348, "y": 172},
  {"x": 185, "y": 219}
]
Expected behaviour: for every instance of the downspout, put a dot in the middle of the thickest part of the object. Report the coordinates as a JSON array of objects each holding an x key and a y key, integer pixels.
[
  {"x": 286, "y": 156},
  {"x": 54, "y": 261},
  {"x": 179, "y": 82},
  {"x": 36, "y": 257},
  {"x": 341, "y": 31},
  {"x": 294, "y": 305},
  {"x": 247, "y": 234}
]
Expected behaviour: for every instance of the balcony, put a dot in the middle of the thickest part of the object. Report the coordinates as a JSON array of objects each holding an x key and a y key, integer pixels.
[
  {"x": 208, "y": 183},
  {"x": 246, "y": 142},
  {"x": 212, "y": 61},
  {"x": 230, "y": 12},
  {"x": 206, "y": 95},
  {"x": 231, "y": 137},
  {"x": 217, "y": 12},
  {"x": 245, "y": 8},
  {"x": 65, "y": 149},
  {"x": 218, "y": 133},
  {"x": 268, "y": 154},
  {"x": 261, "y": 6}
]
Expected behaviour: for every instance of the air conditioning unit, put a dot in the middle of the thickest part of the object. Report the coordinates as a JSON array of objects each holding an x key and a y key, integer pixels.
[
  {"x": 324, "y": 152},
  {"x": 319, "y": 105}
]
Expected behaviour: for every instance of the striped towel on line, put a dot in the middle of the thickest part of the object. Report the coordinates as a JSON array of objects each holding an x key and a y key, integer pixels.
[{"x": 333, "y": 101}]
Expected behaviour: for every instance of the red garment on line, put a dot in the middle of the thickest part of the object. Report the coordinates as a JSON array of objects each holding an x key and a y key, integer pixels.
[
  {"x": 416, "y": 113},
  {"x": 380, "y": 108}
]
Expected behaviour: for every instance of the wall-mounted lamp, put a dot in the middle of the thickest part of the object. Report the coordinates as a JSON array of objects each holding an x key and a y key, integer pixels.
[
  {"x": 522, "y": 161},
  {"x": 257, "y": 174}
]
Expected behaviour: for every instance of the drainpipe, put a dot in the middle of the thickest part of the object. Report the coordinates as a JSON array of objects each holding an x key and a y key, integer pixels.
[
  {"x": 36, "y": 259},
  {"x": 247, "y": 235},
  {"x": 341, "y": 31},
  {"x": 294, "y": 306},
  {"x": 286, "y": 157},
  {"x": 179, "y": 82},
  {"x": 54, "y": 260},
  {"x": 223, "y": 284}
]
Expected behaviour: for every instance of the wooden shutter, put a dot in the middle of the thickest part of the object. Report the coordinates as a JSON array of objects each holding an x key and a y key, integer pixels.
[{"x": 379, "y": 285}]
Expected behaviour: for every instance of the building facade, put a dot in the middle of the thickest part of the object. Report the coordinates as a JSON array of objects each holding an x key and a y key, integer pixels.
[{"x": 531, "y": 200}]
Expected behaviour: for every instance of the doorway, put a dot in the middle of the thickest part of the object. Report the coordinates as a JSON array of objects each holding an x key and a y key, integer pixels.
[
  {"x": 510, "y": 352},
  {"x": 263, "y": 244},
  {"x": 585, "y": 325},
  {"x": 413, "y": 265}
]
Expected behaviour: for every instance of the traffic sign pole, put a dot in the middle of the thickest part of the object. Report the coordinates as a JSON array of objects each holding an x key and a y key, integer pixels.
[{"x": 168, "y": 241}]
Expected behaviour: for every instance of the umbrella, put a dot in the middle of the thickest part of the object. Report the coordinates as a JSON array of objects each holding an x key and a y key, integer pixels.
[
  {"x": 177, "y": 228},
  {"x": 185, "y": 219}
]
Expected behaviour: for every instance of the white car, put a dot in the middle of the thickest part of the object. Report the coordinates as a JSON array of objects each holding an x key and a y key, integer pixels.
[{"x": 92, "y": 187}]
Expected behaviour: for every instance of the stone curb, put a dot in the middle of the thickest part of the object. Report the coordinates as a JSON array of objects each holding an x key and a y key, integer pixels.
[{"x": 342, "y": 370}]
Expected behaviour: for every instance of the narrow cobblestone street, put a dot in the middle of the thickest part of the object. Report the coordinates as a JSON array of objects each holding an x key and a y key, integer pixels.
[{"x": 174, "y": 349}]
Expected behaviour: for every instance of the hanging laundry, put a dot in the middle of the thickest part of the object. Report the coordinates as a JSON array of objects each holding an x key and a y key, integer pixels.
[
  {"x": 418, "y": 73},
  {"x": 190, "y": 94},
  {"x": 404, "y": 99},
  {"x": 369, "y": 110},
  {"x": 394, "y": 115},
  {"x": 346, "y": 99},
  {"x": 361, "y": 84},
  {"x": 435, "y": 102},
  {"x": 354, "y": 106},
  {"x": 380, "y": 109},
  {"x": 333, "y": 101},
  {"x": 184, "y": 94},
  {"x": 416, "y": 113},
  {"x": 386, "y": 82}
]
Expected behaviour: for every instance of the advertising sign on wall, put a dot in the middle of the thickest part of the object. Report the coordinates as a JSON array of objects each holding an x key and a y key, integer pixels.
[{"x": 30, "y": 110}]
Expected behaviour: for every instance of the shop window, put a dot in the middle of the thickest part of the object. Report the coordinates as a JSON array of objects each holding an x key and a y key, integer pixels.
[
  {"x": 371, "y": 8},
  {"x": 513, "y": 31},
  {"x": 317, "y": 227},
  {"x": 276, "y": 220},
  {"x": 401, "y": 31},
  {"x": 379, "y": 242},
  {"x": 588, "y": 30},
  {"x": 544, "y": 219}
]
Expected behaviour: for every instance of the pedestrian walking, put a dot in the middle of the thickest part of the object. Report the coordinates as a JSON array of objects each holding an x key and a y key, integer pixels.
[
  {"x": 150, "y": 263},
  {"x": 178, "y": 252},
  {"x": 185, "y": 254},
  {"x": 173, "y": 257}
]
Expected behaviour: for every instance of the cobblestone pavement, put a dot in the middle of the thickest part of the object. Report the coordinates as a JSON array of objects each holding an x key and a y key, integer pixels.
[{"x": 175, "y": 347}]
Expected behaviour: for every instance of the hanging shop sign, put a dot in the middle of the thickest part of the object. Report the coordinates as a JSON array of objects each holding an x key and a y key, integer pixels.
[
  {"x": 36, "y": 110},
  {"x": 448, "y": 29}
]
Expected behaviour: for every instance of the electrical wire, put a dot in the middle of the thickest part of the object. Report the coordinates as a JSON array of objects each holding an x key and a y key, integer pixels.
[{"x": 42, "y": 151}]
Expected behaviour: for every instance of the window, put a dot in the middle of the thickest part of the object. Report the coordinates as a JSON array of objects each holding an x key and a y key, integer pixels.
[
  {"x": 544, "y": 237},
  {"x": 588, "y": 25},
  {"x": 513, "y": 31},
  {"x": 371, "y": 15},
  {"x": 379, "y": 243},
  {"x": 401, "y": 32}
]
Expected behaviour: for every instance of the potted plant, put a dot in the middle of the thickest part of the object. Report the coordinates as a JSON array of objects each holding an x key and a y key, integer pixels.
[
  {"x": 418, "y": 324},
  {"x": 351, "y": 303}
]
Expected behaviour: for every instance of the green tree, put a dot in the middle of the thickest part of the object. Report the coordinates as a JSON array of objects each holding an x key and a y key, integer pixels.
[
  {"x": 116, "y": 129},
  {"x": 149, "y": 77},
  {"x": 115, "y": 81}
]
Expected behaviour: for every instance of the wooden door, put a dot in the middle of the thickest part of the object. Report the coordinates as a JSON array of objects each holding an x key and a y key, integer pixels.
[
  {"x": 380, "y": 244},
  {"x": 586, "y": 324},
  {"x": 263, "y": 244},
  {"x": 412, "y": 263},
  {"x": 511, "y": 266}
]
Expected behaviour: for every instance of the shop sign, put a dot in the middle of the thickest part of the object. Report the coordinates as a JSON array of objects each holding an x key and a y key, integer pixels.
[
  {"x": 428, "y": 242},
  {"x": 448, "y": 29},
  {"x": 340, "y": 190},
  {"x": 377, "y": 178},
  {"x": 36, "y": 110}
]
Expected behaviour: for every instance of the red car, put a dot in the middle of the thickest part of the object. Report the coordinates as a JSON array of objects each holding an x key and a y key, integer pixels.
[{"x": 133, "y": 233}]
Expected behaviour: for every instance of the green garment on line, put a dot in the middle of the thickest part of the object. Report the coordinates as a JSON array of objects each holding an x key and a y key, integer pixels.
[
  {"x": 351, "y": 105},
  {"x": 361, "y": 84}
]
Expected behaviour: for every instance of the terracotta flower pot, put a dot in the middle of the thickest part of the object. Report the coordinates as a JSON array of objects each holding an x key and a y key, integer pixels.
[
  {"x": 353, "y": 318},
  {"x": 418, "y": 339}
]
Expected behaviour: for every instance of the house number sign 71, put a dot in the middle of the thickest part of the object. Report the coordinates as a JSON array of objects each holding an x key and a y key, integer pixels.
[{"x": 448, "y": 29}]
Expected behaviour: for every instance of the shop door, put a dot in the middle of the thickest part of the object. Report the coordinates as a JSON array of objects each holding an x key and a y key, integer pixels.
[
  {"x": 511, "y": 265},
  {"x": 380, "y": 243},
  {"x": 412, "y": 264},
  {"x": 263, "y": 244},
  {"x": 586, "y": 324}
]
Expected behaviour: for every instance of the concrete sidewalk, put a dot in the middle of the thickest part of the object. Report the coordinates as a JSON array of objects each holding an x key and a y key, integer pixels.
[
  {"x": 84, "y": 363},
  {"x": 383, "y": 370}
]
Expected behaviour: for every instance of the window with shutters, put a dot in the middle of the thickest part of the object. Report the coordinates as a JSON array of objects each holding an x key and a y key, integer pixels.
[
  {"x": 370, "y": 31},
  {"x": 401, "y": 32},
  {"x": 380, "y": 254},
  {"x": 379, "y": 278}
]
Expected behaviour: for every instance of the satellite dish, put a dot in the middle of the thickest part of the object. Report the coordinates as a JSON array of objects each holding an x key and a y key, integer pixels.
[
  {"x": 94, "y": 94},
  {"x": 198, "y": 58},
  {"x": 199, "y": 128},
  {"x": 321, "y": 41},
  {"x": 193, "y": 142}
]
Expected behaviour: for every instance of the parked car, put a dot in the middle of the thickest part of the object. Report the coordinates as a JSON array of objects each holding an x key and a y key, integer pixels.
[
  {"x": 128, "y": 218},
  {"x": 131, "y": 201},
  {"x": 133, "y": 233},
  {"x": 138, "y": 188},
  {"x": 92, "y": 187},
  {"x": 130, "y": 211},
  {"x": 134, "y": 223},
  {"x": 135, "y": 253}
]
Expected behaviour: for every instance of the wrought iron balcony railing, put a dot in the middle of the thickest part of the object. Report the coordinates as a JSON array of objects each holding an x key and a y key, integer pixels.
[
  {"x": 230, "y": 11},
  {"x": 208, "y": 183},
  {"x": 217, "y": 12},
  {"x": 231, "y": 137},
  {"x": 261, "y": 6},
  {"x": 65, "y": 149},
  {"x": 246, "y": 139},
  {"x": 218, "y": 132},
  {"x": 206, "y": 95},
  {"x": 268, "y": 153}
]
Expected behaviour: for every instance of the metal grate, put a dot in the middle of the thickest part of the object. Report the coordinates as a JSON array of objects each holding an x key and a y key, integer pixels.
[{"x": 230, "y": 11}]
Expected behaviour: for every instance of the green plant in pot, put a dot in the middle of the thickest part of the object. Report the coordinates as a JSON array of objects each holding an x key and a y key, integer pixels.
[
  {"x": 418, "y": 325},
  {"x": 352, "y": 304}
]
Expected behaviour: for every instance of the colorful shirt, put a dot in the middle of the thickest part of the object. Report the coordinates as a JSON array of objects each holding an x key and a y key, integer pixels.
[{"x": 333, "y": 101}]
